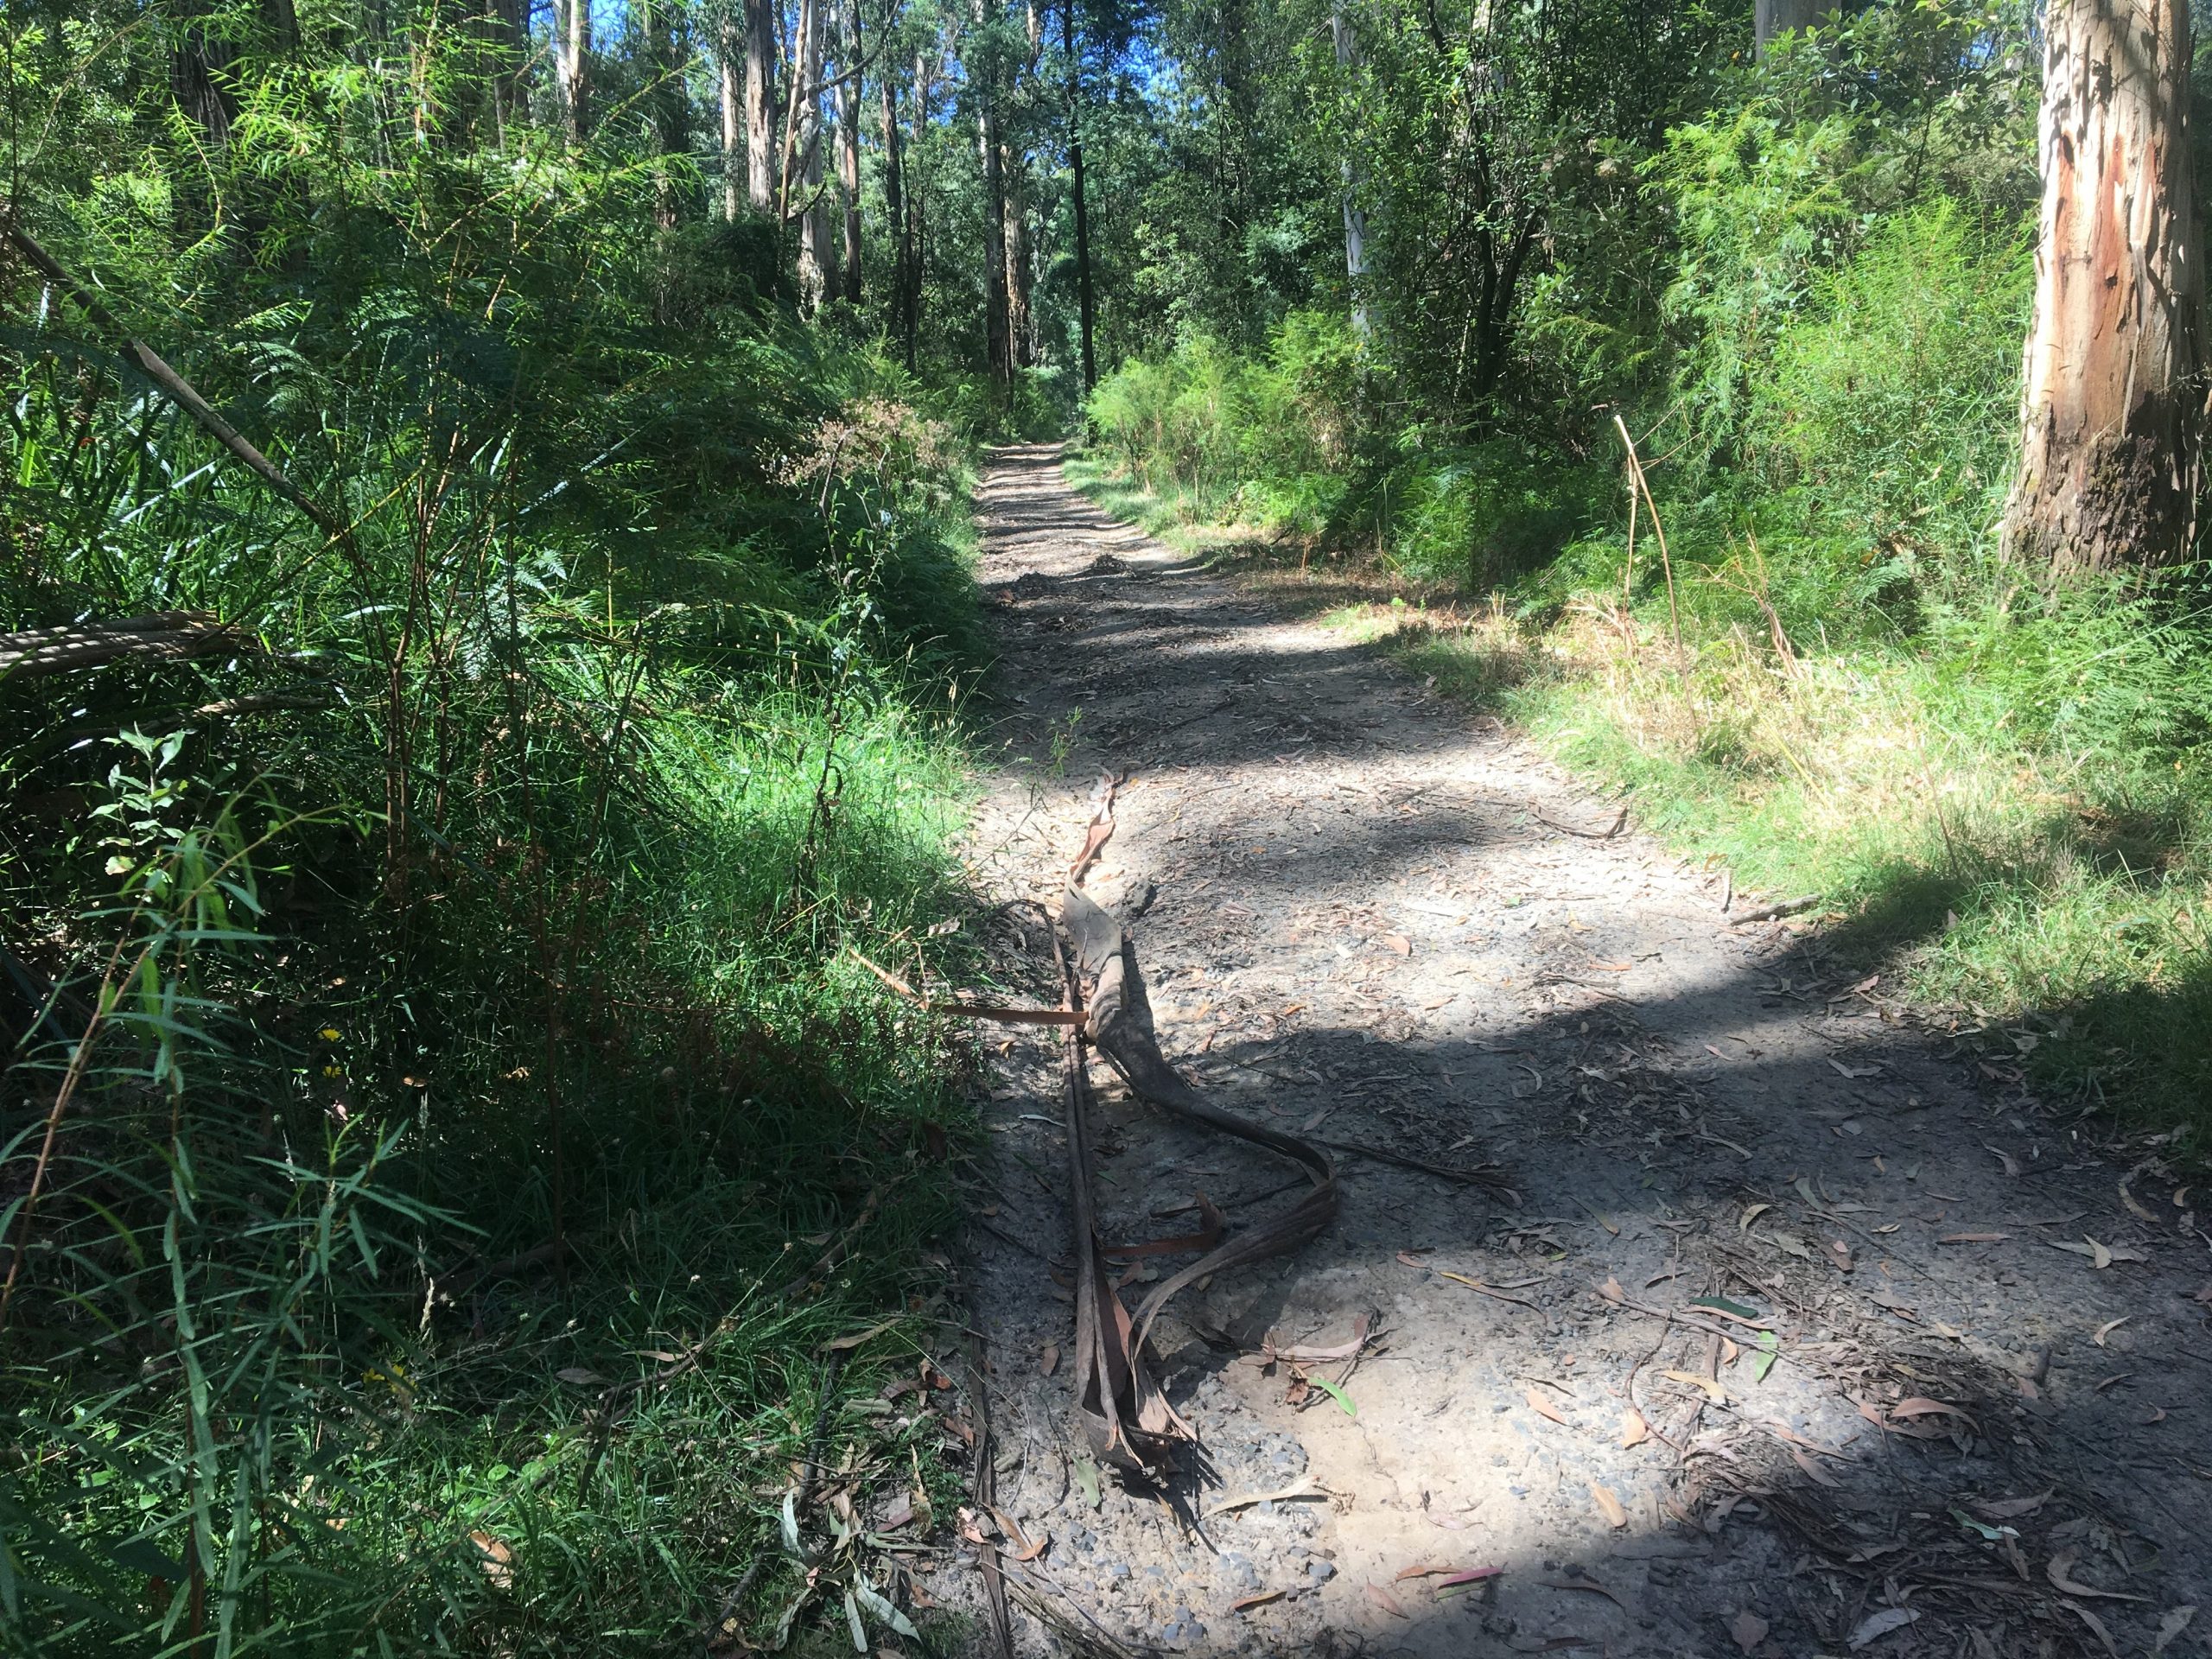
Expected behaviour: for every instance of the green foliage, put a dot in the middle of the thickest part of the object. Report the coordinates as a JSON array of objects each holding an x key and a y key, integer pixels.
[
  {"x": 432, "y": 1028},
  {"x": 1216, "y": 426},
  {"x": 1891, "y": 400}
]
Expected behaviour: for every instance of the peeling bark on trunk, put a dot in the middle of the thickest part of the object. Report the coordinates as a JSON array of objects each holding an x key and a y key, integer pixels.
[
  {"x": 817, "y": 276},
  {"x": 2112, "y": 396},
  {"x": 761, "y": 105}
]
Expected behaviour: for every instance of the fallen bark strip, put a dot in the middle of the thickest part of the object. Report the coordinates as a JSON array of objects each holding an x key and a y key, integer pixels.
[
  {"x": 983, "y": 1476},
  {"x": 1126, "y": 1418},
  {"x": 88, "y": 644}
]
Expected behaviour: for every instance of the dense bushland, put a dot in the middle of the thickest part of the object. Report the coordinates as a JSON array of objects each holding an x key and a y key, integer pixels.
[
  {"x": 443, "y": 1118},
  {"x": 2000, "y": 784}
]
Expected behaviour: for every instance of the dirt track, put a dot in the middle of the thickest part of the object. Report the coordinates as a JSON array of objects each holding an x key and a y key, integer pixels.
[{"x": 1367, "y": 916}]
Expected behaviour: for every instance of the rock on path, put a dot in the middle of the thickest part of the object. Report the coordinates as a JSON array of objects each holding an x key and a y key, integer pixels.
[{"x": 1360, "y": 920}]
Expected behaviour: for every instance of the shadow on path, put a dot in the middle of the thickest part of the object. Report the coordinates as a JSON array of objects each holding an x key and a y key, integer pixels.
[{"x": 1810, "y": 1330}]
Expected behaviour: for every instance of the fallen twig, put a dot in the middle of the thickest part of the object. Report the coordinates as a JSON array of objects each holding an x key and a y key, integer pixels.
[
  {"x": 1303, "y": 1487},
  {"x": 1771, "y": 913},
  {"x": 1620, "y": 818},
  {"x": 1004, "y": 1014},
  {"x": 1483, "y": 1177}
]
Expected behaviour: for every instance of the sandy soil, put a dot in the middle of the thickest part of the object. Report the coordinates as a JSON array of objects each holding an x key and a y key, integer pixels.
[{"x": 1367, "y": 915}]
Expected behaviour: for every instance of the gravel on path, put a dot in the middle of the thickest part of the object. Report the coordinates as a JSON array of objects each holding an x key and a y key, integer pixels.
[{"x": 1946, "y": 1393}]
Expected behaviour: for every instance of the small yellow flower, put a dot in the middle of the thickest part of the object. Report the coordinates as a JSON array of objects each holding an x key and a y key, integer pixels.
[
  {"x": 328, "y": 1033},
  {"x": 334, "y": 1071}
]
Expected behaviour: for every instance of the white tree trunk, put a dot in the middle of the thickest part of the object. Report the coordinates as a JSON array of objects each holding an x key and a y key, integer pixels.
[
  {"x": 2111, "y": 398},
  {"x": 730, "y": 48},
  {"x": 574, "y": 22},
  {"x": 848, "y": 150},
  {"x": 1347, "y": 46},
  {"x": 817, "y": 275},
  {"x": 761, "y": 105},
  {"x": 1773, "y": 17}
]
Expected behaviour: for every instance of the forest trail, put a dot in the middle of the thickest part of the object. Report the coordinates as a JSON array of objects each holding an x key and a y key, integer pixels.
[{"x": 1361, "y": 917}]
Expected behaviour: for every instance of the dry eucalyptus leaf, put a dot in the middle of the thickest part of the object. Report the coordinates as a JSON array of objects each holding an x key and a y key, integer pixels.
[
  {"x": 2011, "y": 1509},
  {"x": 498, "y": 1560},
  {"x": 1819, "y": 1475},
  {"x": 1749, "y": 1630},
  {"x": 1905, "y": 1410},
  {"x": 1544, "y": 1408},
  {"x": 2061, "y": 1574},
  {"x": 1634, "y": 1430},
  {"x": 2171, "y": 1625},
  {"x": 2093, "y": 1623},
  {"x": 2099, "y": 1256},
  {"x": 1714, "y": 1391},
  {"x": 1386, "y": 1601},
  {"x": 1876, "y": 1625},
  {"x": 1609, "y": 1506}
]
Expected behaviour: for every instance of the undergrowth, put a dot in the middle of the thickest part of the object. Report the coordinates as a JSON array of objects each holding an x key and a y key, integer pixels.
[{"x": 446, "y": 1122}]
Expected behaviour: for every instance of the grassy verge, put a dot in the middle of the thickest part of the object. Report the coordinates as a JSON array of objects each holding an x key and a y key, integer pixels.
[
  {"x": 462, "y": 1272},
  {"x": 446, "y": 1128},
  {"x": 2038, "y": 883}
]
